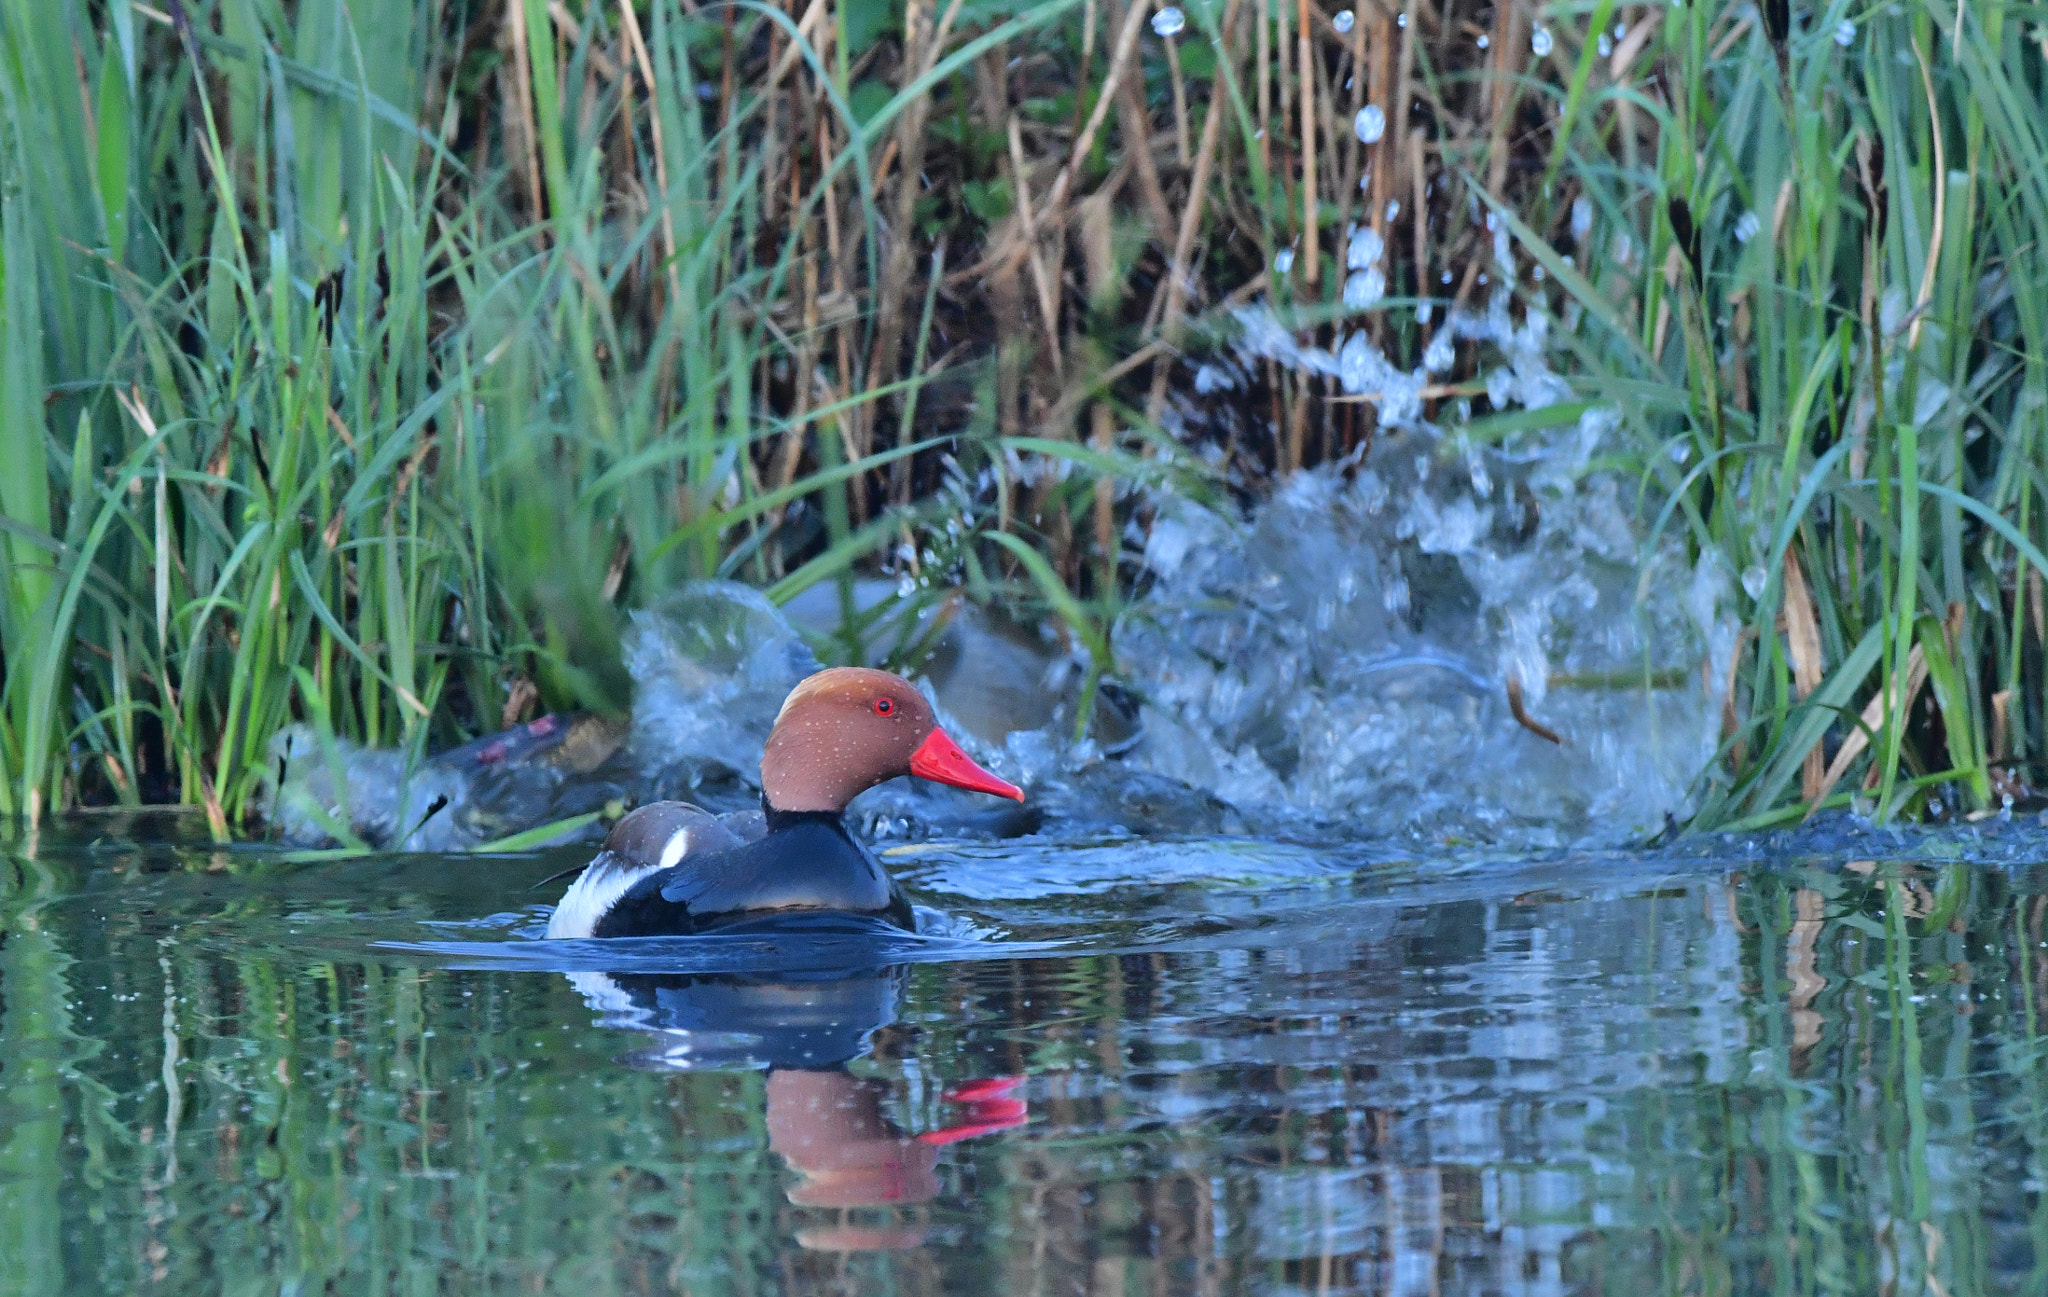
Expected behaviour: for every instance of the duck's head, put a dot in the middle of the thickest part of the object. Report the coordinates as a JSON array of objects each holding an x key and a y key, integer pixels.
[{"x": 846, "y": 729}]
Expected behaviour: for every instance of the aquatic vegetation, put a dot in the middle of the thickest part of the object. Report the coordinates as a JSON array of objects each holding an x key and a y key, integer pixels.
[
  {"x": 1819, "y": 288},
  {"x": 383, "y": 357}
]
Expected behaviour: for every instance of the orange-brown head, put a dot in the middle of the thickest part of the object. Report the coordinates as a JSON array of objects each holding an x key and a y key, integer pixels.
[{"x": 846, "y": 729}]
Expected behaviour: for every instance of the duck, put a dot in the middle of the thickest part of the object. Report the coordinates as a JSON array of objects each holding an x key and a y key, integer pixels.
[{"x": 676, "y": 869}]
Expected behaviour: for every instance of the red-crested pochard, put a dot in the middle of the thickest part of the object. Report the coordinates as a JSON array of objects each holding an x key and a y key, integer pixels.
[{"x": 672, "y": 868}]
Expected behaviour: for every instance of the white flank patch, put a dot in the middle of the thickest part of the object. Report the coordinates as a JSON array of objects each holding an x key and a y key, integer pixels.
[{"x": 597, "y": 888}]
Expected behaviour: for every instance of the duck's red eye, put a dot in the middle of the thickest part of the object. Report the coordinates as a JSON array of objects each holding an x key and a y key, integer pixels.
[{"x": 885, "y": 706}]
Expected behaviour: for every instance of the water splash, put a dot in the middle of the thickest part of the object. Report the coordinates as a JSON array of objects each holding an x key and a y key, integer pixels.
[{"x": 1346, "y": 656}]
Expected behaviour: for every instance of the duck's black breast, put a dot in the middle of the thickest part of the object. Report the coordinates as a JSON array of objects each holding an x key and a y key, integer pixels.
[{"x": 804, "y": 863}]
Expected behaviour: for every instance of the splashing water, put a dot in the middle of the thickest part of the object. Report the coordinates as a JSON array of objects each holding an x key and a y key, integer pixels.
[
  {"x": 1518, "y": 567},
  {"x": 1346, "y": 655}
]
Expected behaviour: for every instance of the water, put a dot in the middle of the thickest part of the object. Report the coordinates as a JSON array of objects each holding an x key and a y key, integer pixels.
[{"x": 1802, "y": 1064}]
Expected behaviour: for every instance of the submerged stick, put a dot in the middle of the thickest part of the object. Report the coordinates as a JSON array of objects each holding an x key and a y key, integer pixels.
[{"x": 1522, "y": 716}]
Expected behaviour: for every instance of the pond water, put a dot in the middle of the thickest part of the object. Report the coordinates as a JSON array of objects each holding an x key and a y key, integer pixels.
[{"x": 1211, "y": 1065}]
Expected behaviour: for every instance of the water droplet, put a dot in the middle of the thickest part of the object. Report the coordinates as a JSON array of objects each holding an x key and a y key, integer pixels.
[
  {"x": 1402, "y": 21},
  {"x": 1605, "y": 45},
  {"x": 1483, "y": 41},
  {"x": 1681, "y": 451},
  {"x": 1168, "y": 22},
  {"x": 1357, "y": 361},
  {"x": 1447, "y": 277},
  {"x": 1540, "y": 42},
  {"x": 1754, "y": 580},
  {"x": 1582, "y": 218},
  {"x": 1440, "y": 353},
  {"x": 1365, "y": 288},
  {"x": 1283, "y": 261},
  {"x": 1845, "y": 33},
  {"x": 1393, "y": 208},
  {"x": 706, "y": 91},
  {"x": 1500, "y": 387},
  {"x": 1746, "y": 227},
  {"x": 1423, "y": 312},
  {"x": 1621, "y": 31},
  {"x": 1342, "y": 22},
  {"x": 1371, "y": 123},
  {"x": 1365, "y": 248}
]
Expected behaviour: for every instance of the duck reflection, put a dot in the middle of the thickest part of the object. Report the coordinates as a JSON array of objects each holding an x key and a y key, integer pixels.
[{"x": 828, "y": 1125}]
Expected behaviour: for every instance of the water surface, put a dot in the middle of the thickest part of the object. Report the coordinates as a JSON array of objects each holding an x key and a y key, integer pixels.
[{"x": 1200, "y": 1066}]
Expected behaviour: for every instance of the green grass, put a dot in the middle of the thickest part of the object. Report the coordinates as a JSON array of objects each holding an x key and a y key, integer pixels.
[
  {"x": 1856, "y": 391},
  {"x": 379, "y": 355},
  {"x": 335, "y": 431}
]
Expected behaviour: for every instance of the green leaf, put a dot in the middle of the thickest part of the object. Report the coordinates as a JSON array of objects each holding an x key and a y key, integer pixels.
[
  {"x": 114, "y": 150},
  {"x": 991, "y": 200},
  {"x": 866, "y": 21},
  {"x": 868, "y": 98},
  {"x": 540, "y": 836}
]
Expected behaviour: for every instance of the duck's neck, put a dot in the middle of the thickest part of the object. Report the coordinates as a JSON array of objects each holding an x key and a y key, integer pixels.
[{"x": 781, "y": 819}]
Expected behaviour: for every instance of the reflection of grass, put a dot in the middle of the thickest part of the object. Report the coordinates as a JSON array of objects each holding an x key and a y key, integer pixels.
[
  {"x": 339, "y": 1122},
  {"x": 1865, "y": 1151},
  {"x": 38, "y": 1048}
]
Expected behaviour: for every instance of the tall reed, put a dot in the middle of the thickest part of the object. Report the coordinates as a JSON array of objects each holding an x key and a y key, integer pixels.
[
  {"x": 365, "y": 398},
  {"x": 388, "y": 349},
  {"x": 1821, "y": 299}
]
